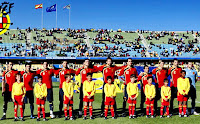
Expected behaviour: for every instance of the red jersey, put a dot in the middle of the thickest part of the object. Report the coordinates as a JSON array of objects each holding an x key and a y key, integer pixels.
[
  {"x": 127, "y": 72},
  {"x": 108, "y": 71},
  {"x": 28, "y": 79},
  {"x": 62, "y": 72},
  {"x": 143, "y": 79},
  {"x": 9, "y": 77},
  {"x": 160, "y": 75},
  {"x": 83, "y": 72},
  {"x": 175, "y": 74},
  {"x": 46, "y": 76}
]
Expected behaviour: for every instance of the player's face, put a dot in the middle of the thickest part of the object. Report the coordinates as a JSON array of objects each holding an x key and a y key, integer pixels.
[
  {"x": 133, "y": 79},
  {"x": 64, "y": 64},
  {"x": 18, "y": 77},
  {"x": 109, "y": 81},
  {"x": 146, "y": 69},
  {"x": 28, "y": 67},
  {"x": 161, "y": 64},
  {"x": 10, "y": 65},
  {"x": 129, "y": 63},
  {"x": 183, "y": 74},
  {"x": 190, "y": 65},
  {"x": 175, "y": 63},
  {"x": 89, "y": 77},
  {"x": 68, "y": 78},
  {"x": 39, "y": 79},
  {"x": 45, "y": 65},
  {"x": 109, "y": 61},
  {"x": 87, "y": 62},
  {"x": 149, "y": 81},
  {"x": 166, "y": 83}
]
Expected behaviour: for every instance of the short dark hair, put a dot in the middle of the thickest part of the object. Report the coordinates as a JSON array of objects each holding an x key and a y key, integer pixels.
[
  {"x": 109, "y": 77},
  {"x": 183, "y": 71},
  {"x": 133, "y": 76},
  {"x": 130, "y": 59},
  {"x": 89, "y": 74},
  {"x": 64, "y": 61},
  {"x": 27, "y": 64},
  {"x": 39, "y": 76},
  {"x": 67, "y": 75},
  {"x": 165, "y": 80},
  {"x": 146, "y": 66},
  {"x": 175, "y": 59},
  {"x": 109, "y": 58},
  {"x": 18, "y": 74},
  {"x": 149, "y": 77}
]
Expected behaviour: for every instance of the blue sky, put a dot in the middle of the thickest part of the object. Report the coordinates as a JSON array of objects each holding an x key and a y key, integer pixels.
[{"x": 175, "y": 15}]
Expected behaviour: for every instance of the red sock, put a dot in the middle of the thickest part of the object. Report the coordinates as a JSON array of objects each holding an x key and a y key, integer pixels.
[
  {"x": 43, "y": 112},
  {"x": 167, "y": 109},
  {"x": 161, "y": 110},
  {"x": 133, "y": 110},
  {"x": 184, "y": 109},
  {"x": 130, "y": 110},
  {"x": 21, "y": 112},
  {"x": 85, "y": 110},
  {"x": 15, "y": 111},
  {"x": 147, "y": 110},
  {"x": 70, "y": 111},
  {"x": 106, "y": 111},
  {"x": 65, "y": 111},
  {"x": 90, "y": 109},
  {"x": 152, "y": 110},
  {"x": 38, "y": 112},
  {"x": 112, "y": 111},
  {"x": 180, "y": 109}
]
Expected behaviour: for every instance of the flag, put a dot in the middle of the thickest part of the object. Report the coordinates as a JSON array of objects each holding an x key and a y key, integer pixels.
[
  {"x": 51, "y": 8},
  {"x": 67, "y": 7},
  {"x": 38, "y": 6}
]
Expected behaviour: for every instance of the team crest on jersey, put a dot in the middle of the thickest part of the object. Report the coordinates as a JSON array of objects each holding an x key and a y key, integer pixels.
[
  {"x": 127, "y": 72},
  {"x": 84, "y": 72},
  {"x": 8, "y": 75}
]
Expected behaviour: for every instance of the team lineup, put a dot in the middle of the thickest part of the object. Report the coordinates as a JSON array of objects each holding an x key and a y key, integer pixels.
[{"x": 17, "y": 86}]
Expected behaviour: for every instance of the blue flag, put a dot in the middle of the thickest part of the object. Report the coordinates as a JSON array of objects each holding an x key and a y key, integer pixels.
[{"x": 51, "y": 8}]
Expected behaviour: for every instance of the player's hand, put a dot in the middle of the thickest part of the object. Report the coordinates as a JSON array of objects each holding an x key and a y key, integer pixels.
[
  {"x": 166, "y": 99},
  {"x": 131, "y": 98},
  {"x": 134, "y": 98},
  {"x": 112, "y": 97},
  {"x": 70, "y": 97},
  {"x": 2, "y": 94},
  {"x": 13, "y": 100},
  {"x": 141, "y": 74},
  {"x": 22, "y": 99}
]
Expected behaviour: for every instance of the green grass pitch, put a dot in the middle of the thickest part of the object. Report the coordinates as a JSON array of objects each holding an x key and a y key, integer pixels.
[{"x": 97, "y": 103}]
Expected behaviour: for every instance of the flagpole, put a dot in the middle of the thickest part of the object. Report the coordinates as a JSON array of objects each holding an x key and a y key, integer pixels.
[
  {"x": 42, "y": 17},
  {"x": 56, "y": 15},
  {"x": 69, "y": 17}
]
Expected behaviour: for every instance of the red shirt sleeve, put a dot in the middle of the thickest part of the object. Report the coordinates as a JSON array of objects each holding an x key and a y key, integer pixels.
[
  {"x": 169, "y": 71},
  {"x": 21, "y": 72},
  {"x": 118, "y": 67},
  {"x": 38, "y": 72},
  {"x": 78, "y": 71},
  {"x": 136, "y": 72},
  {"x": 139, "y": 78},
  {"x": 56, "y": 72},
  {"x": 3, "y": 75},
  {"x": 121, "y": 72},
  {"x": 100, "y": 68},
  {"x": 154, "y": 71},
  {"x": 95, "y": 69}
]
